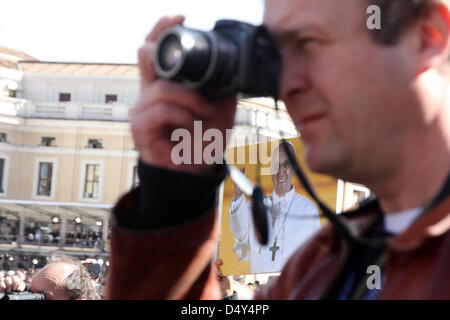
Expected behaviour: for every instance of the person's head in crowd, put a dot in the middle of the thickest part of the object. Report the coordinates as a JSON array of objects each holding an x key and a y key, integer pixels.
[
  {"x": 281, "y": 169},
  {"x": 64, "y": 278}
]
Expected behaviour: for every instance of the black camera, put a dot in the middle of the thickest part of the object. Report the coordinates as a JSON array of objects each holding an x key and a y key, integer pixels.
[
  {"x": 235, "y": 57},
  {"x": 22, "y": 296}
]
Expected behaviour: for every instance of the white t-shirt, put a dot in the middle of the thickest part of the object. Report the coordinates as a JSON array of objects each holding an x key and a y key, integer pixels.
[{"x": 398, "y": 222}]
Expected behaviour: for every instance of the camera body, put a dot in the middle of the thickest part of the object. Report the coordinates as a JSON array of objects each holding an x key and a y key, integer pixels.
[{"x": 235, "y": 57}]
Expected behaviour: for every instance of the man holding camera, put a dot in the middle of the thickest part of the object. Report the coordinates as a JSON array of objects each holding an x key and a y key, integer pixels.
[{"x": 372, "y": 107}]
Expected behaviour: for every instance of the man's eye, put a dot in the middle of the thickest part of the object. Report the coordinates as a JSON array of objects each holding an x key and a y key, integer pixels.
[{"x": 303, "y": 42}]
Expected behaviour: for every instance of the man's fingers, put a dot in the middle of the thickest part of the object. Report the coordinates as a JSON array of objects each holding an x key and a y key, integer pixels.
[
  {"x": 21, "y": 276},
  {"x": 17, "y": 284},
  {"x": 12, "y": 284},
  {"x": 21, "y": 287},
  {"x": 162, "y": 115},
  {"x": 9, "y": 284},
  {"x": 147, "y": 51},
  {"x": 145, "y": 59},
  {"x": 161, "y": 25},
  {"x": 172, "y": 93}
]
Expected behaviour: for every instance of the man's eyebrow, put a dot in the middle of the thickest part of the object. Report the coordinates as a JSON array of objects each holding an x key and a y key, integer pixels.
[{"x": 295, "y": 34}]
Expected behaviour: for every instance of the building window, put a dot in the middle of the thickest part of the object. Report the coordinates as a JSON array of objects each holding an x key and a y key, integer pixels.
[
  {"x": 92, "y": 181},
  {"x": 2, "y": 137},
  {"x": 2, "y": 168},
  {"x": 64, "y": 97},
  {"x": 135, "y": 181},
  {"x": 12, "y": 93},
  {"x": 110, "y": 98},
  {"x": 48, "y": 141},
  {"x": 95, "y": 144},
  {"x": 45, "y": 179},
  {"x": 358, "y": 196}
]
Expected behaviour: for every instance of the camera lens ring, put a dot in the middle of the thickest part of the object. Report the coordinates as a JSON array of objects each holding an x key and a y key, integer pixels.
[
  {"x": 158, "y": 63},
  {"x": 211, "y": 66},
  {"x": 177, "y": 33}
]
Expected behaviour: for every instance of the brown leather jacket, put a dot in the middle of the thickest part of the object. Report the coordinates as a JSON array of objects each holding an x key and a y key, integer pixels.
[{"x": 176, "y": 263}]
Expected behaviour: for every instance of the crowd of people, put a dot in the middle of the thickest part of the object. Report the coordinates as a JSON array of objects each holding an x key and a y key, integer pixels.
[
  {"x": 68, "y": 278},
  {"x": 37, "y": 234}
]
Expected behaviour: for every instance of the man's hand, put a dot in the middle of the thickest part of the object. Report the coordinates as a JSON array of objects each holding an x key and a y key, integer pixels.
[
  {"x": 164, "y": 106},
  {"x": 12, "y": 284}
]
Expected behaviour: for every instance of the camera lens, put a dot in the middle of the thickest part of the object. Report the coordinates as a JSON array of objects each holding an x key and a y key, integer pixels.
[
  {"x": 170, "y": 53},
  {"x": 186, "y": 54}
]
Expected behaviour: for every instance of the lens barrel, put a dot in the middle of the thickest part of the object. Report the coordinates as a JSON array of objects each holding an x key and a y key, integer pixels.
[{"x": 184, "y": 54}]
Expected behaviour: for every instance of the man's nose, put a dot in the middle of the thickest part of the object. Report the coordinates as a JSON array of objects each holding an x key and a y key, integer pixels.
[
  {"x": 293, "y": 75},
  {"x": 281, "y": 171}
]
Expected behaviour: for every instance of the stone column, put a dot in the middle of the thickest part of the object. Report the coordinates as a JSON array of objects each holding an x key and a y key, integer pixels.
[
  {"x": 21, "y": 229},
  {"x": 105, "y": 230},
  {"x": 62, "y": 230}
]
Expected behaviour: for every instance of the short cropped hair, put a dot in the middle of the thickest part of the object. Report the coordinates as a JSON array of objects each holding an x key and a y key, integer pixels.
[{"x": 396, "y": 17}]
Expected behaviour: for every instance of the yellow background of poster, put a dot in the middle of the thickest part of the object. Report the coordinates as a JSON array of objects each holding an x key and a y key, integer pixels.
[{"x": 325, "y": 186}]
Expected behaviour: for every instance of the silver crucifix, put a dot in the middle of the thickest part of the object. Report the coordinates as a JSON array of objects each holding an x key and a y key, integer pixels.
[{"x": 274, "y": 249}]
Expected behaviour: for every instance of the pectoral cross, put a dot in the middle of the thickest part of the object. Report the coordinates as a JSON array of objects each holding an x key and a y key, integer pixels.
[{"x": 274, "y": 249}]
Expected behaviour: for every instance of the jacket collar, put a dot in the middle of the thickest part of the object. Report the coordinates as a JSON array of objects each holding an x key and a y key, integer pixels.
[{"x": 433, "y": 223}]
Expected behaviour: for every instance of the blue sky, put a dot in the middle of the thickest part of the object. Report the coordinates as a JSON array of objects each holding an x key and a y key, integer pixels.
[{"x": 104, "y": 30}]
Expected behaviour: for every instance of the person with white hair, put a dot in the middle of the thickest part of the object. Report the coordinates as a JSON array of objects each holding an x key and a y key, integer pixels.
[{"x": 292, "y": 219}]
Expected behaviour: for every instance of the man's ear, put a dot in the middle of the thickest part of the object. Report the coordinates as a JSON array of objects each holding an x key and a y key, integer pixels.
[{"x": 434, "y": 41}]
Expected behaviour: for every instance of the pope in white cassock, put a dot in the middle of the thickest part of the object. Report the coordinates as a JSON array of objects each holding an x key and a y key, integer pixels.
[{"x": 292, "y": 220}]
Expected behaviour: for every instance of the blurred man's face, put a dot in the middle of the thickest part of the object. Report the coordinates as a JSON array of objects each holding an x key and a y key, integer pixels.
[
  {"x": 346, "y": 94},
  {"x": 282, "y": 179},
  {"x": 51, "y": 281}
]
